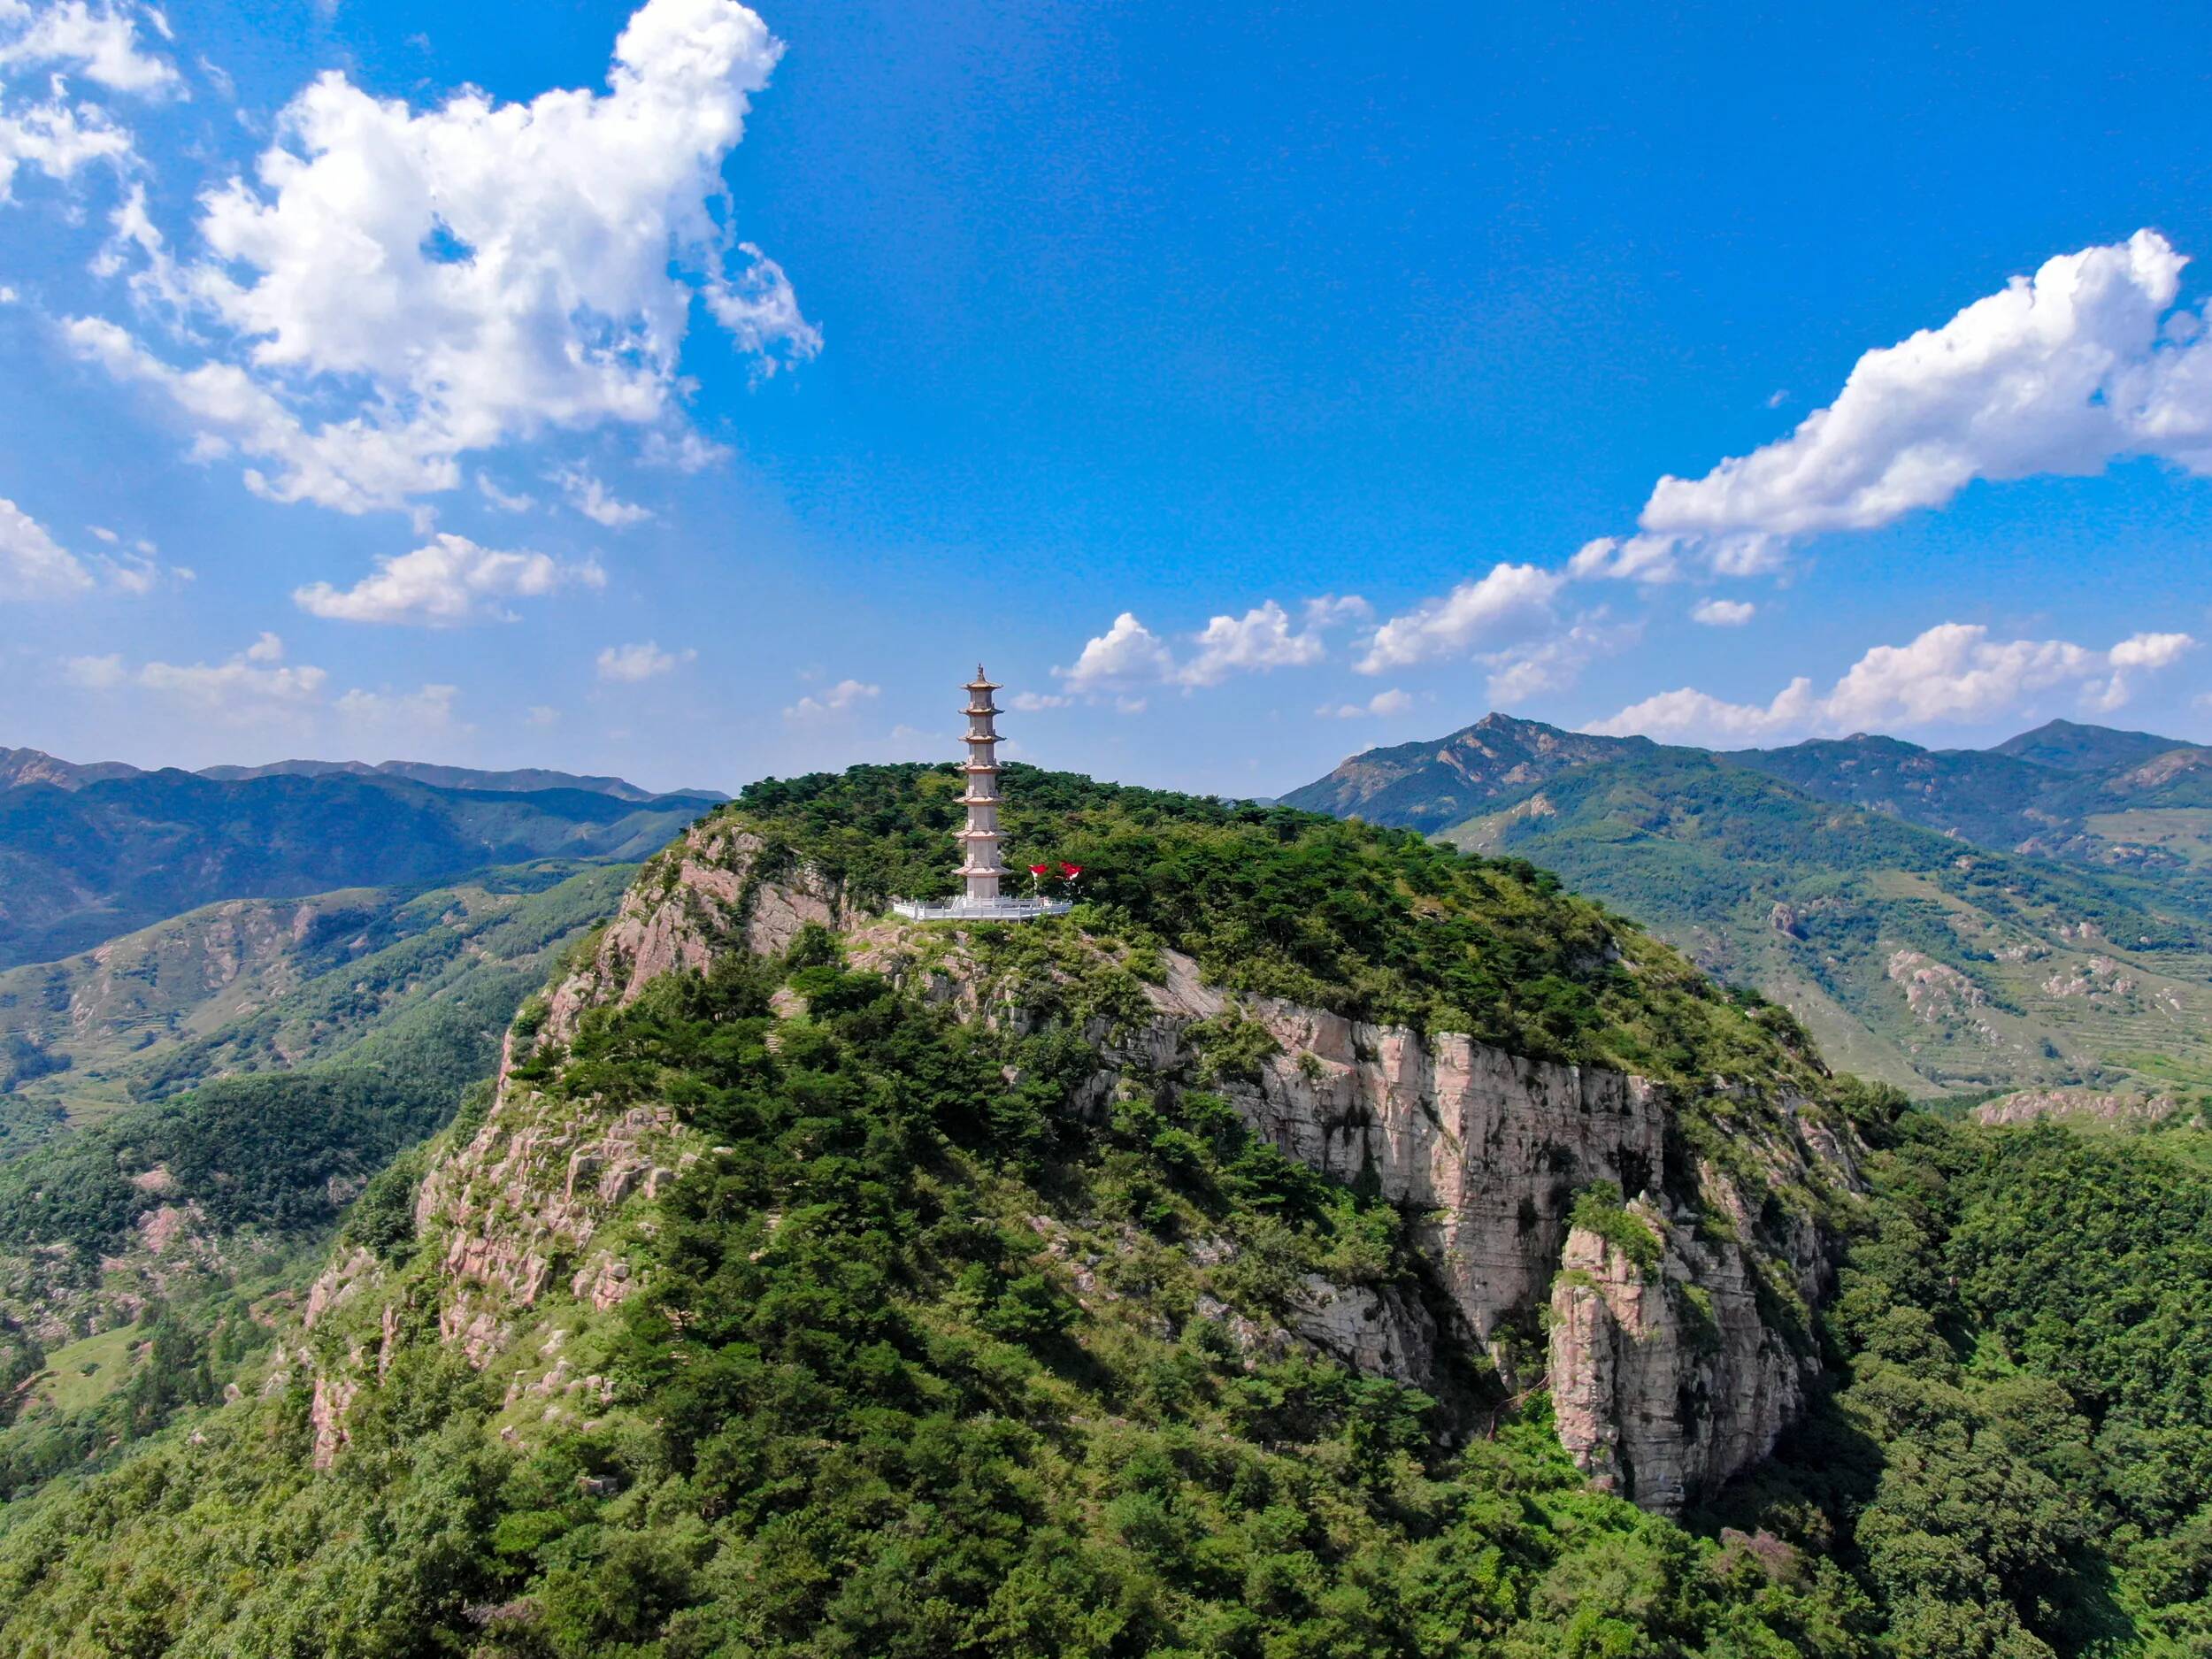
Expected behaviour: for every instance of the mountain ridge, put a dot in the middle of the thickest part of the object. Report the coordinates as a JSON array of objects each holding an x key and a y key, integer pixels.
[
  {"x": 22, "y": 766},
  {"x": 1924, "y": 911}
]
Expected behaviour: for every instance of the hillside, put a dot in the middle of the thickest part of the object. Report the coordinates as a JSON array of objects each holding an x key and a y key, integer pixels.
[
  {"x": 815, "y": 1283},
  {"x": 1430, "y": 786},
  {"x": 1880, "y": 891},
  {"x": 1172, "y": 1276},
  {"x": 239, "y": 1075},
  {"x": 257, "y": 985},
  {"x": 83, "y": 864}
]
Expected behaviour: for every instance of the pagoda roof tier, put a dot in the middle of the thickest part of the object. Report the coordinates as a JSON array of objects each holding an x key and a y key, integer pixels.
[
  {"x": 979, "y": 765},
  {"x": 978, "y": 737},
  {"x": 985, "y": 707},
  {"x": 981, "y": 682}
]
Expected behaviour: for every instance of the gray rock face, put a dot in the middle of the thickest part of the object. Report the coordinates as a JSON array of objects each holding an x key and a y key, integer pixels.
[
  {"x": 1662, "y": 1390},
  {"x": 1665, "y": 1382}
]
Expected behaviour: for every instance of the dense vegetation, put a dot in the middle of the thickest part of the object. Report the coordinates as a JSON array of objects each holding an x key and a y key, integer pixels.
[
  {"x": 2020, "y": 1462},
  {"x": 1374, "y": 923},
  {"x": 923, "y": 1363},
  {"x": 854, "y": 1415}
]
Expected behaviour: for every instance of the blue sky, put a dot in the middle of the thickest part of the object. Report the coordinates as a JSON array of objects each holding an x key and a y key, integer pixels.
[{"x": 1246, "y": 387}]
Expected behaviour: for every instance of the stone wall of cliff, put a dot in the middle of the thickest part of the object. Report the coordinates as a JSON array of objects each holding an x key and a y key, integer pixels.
[{"x": 1670, "y": 1368}]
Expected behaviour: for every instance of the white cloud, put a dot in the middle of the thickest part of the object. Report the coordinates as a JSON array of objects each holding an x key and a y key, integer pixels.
[
  {"x": 1954, "y": 673},
  {"x": 1129, "y": 656},
  {"x": 452, "y": 280},
  {"x": 1036, "y": 702},
  {"x": 447, "y": 583},
  {"x": 843, "y": 695},
  {"x": 34, "y": 565},
  {"x": 1331, "y": 609},
  {"x": 761, "y": 313},
  {"x": 1553, "y": 662},
  {"x": 683, "y": 450},
  {"x": 1510, "y": 599},
  {"x": 2060, "y": 372},
  {"x": 100, "y": 43},
  {"x": 1126, "y": 654},
  {"x": 540, "y": 714},
  {"x": 1260, "y": 640},
  {"x": 626, "y": 664},
  {"x": 409, "y": 714},
  {"x": 95, "y": 674},
  {"x": 1383, "y": 703},
  {"x": 500, "y": 498},
  {"x": 57, "y": 138},
  {"x": 255, "y": 683},
  {"x": 592, "y": 499},
  {"x": 1723, "y": 613}
]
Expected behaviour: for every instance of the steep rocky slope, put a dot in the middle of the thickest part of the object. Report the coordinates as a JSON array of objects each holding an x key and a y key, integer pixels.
[{"x": 1647, "y": 1252}]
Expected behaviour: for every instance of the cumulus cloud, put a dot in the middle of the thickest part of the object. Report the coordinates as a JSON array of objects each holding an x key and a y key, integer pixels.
[
  {"x": 1261, "y": 639},
  {"x": 56, "y": 137},
  {"x": 100, "y": 43},
  {"x": 626, "y": 665},
  {"x": 1129, "y": 656},
  {"x": 1036, "y": 702},
  {"x": 451, "y": 279},
  {"x": 1723, "y": 613},
  {"x": 1954, "y": 673},
  {"x": 2084, "y": 363},
  {"x": 34, "y": 565},
  {"x": 1382, "y": 702},
  {"x": 499, "y": 498},
  {"x": 1552, "y": 662},
  {"x": 1486, "y": 611},
  {"x": 428, "y": 709},
  {"x": 843, "y": 695},
  {"x": 597, "y": 503},
  {"x": 447, "y": 583},
  {"x": 255, "y": 683}
]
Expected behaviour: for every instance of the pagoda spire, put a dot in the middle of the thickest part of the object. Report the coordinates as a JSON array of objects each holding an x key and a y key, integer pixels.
[
  {"x": 982, "y": 874},
  {"x": 979, "y": 868}
]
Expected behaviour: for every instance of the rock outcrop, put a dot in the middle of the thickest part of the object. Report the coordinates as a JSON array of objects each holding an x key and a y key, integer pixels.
[{"x": 1668, "y": 1376}]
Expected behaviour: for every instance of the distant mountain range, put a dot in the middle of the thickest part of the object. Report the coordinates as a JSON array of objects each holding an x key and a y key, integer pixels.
[
  {"x": 31, "y": 766},
  {"x": 2040, "y": 912},
  {"x": 87, "y": 852}
]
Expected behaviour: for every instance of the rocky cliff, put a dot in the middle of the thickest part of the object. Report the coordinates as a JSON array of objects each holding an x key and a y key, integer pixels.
[{"x": 1576, "y": 1236}]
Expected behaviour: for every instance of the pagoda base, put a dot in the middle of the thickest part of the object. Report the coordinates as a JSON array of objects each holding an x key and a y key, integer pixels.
[{"x": 966, "y": 909}]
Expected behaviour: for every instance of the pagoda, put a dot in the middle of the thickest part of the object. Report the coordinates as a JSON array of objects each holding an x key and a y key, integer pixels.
[{"x": 982, "y": 875}]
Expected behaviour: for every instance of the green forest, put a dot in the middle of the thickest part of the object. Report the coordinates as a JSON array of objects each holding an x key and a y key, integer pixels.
[{"x": 866, "y": 1405}]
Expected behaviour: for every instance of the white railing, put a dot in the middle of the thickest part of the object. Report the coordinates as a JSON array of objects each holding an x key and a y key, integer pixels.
[{"x": 967, "y": 909}]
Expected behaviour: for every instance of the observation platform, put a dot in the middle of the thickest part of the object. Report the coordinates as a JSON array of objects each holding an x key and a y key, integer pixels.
[{"x": 967, "y": 909}]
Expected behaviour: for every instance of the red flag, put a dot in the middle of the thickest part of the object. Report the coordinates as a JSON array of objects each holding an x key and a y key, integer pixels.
[{"x": 1071, "y": 871}]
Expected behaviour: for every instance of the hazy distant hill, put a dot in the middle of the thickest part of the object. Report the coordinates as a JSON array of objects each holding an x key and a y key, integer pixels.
[
  {"x": 31, "y": 766},
  {"x": 1953, "y": 920},
  {"x": 275, "y": 985},
  {"x": 85, "y": 860}
]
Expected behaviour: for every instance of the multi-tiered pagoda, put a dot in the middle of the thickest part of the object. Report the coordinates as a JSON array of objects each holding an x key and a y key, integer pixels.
[{"x": 981, "y": 874}]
